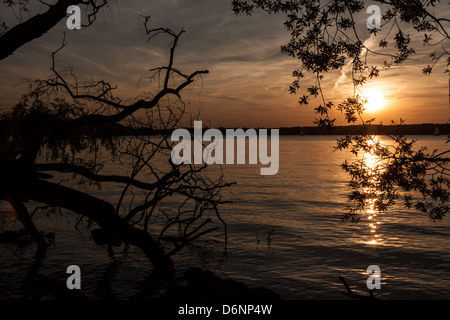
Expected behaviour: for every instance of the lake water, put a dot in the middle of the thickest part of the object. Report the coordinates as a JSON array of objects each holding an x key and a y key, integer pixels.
[{"x": 310, "y": 246}]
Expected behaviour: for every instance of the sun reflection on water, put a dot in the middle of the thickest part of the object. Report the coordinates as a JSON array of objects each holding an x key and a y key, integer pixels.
[
  {"x": 374, "y": 236},
  {"x": 372, "y": 160}
]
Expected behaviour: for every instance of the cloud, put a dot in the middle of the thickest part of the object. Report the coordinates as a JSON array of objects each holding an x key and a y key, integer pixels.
[
  {"x": 343, "y": 77},
  {"x": 248, "y": 74}
]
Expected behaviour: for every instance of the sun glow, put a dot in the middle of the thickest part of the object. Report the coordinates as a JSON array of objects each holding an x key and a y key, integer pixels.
[{"x": 375, "y": 101}]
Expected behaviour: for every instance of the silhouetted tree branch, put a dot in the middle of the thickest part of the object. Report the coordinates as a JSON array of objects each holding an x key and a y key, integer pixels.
[
  {"x": 24, "y": 32},
  {"x": 45, "y": 139},
  {"x": 325, "y": 37}
]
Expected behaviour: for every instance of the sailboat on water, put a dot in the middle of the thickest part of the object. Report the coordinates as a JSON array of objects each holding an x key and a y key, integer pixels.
[{"x": 436, "y": 131}]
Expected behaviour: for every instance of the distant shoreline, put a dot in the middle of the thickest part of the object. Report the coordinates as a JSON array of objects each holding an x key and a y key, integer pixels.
[
  {"x": 412, "y": 129},
  {"x": 116, "y": 129}
]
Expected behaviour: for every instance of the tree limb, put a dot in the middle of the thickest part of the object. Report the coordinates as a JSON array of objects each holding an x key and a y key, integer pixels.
[{"x": 33, "y": 28}]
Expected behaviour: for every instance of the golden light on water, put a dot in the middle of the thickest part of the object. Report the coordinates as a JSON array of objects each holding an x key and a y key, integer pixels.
[
  {"x": 371, "y": 160},
  {"x": 374, "y": 236}
]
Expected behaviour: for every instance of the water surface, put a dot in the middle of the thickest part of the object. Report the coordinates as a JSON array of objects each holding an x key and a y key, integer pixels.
[{"x": 309, "y": 245}]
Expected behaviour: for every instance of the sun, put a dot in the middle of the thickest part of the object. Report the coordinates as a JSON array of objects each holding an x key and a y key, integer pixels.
[{"x": 375, "y": 101}]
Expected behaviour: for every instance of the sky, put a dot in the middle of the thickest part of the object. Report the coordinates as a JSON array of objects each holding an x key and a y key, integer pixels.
[{"x": 249, "y": 77}]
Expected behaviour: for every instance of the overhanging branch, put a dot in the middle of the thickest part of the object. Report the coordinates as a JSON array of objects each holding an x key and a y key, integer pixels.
[{"x": 33, "y": 28}]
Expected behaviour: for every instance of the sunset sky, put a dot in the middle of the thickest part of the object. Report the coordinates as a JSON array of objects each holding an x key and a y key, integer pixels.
[{"x": 249, "y": 77}]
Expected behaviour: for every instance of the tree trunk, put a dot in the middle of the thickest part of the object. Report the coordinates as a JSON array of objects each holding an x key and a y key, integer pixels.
[
  {"x": 33, "y": 28},
  {"x": 102, "y": 213},
  {"x": 28, "y": 224}
]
